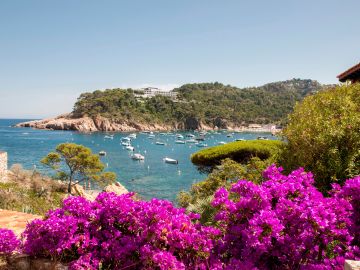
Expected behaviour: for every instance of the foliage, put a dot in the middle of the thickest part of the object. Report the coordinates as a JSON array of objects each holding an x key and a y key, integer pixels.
[
  {"x": 241, "y": 151},
  {"x": 283, "y": 223},
  {"x": 323, "y": 135},
  {"x": 120, "y": 232},
  {"x": 286, "y": 223},
  {"x": 29, "y": 191},
  {"x": 8, "y": 242},
  {"x": 206, "y": 102},
  {"x": 76, "y": 163},
  {"x": 198, "y": 199}
]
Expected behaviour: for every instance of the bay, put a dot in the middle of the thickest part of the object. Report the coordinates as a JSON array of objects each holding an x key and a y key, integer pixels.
[{"x": 149, "y": 178}]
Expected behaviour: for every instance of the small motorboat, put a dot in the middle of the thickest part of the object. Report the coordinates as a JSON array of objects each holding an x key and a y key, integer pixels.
[
  {"x": 179, "y": 136},
  {"x": 191, "y": 141},
  {"x": 170, "y": 160},
  {"x": 130, "y": 148},
  {"x": 125, "y": 143},
  {"x": 151, "y": 136},
  {"x": 180, "y": 142},
  {"x": 159, "y": 143},
  {"x": 190, "y": 135},
  {"x": 102, "y": 153},
  {"x": 132, "y": 136},
  {"x": 109, "y": 137},
  {"x": 125, "y": 139},
  {"x": 221, "y": 143},
  {"x": 201, "y": 145},
  {"x": 262, "y": 138},
  {"x": 239, "y": 140},
  {"x": 137, "y": 157},
  {"x": 229, "y": 135},
  {"x": 163, "y": 134}
]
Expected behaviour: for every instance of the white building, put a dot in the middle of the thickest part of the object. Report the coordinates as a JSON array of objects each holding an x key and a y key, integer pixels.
[{"x": 153, "y": 91}]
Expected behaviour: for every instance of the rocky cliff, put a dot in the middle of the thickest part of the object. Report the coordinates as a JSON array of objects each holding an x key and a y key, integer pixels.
[{"x": 89, "y": 124}]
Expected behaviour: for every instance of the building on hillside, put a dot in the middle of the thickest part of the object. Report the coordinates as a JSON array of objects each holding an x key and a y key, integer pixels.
[
  {"x": 352, "y": 74},
  {"x": 153, "y": 91},
  {"x": 3, "y": 164}
]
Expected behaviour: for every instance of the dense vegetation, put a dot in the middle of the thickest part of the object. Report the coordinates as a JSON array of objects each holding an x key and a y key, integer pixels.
[
  {"x": 323, "y": 135},
  {"x": 212, "y": 104},
  {"x": 282, "y": 223},
  {"x": 241, "y": 151}
]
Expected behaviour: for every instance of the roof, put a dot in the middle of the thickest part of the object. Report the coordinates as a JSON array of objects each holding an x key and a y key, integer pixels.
[{"x": 350, "y": 73}]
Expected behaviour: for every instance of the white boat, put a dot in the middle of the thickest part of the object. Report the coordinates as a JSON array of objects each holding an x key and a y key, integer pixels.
[
  {"x": 125, "y": 143},
  {"x": 126, "y": 139},
  {"x": 102, "y": 153},
  {"x": 170, "y": 160},
  {"x": 180, "y": 142},
  {"x": 190, "y": 135},
  {"x": 229, "y": 135},
  {"x": 129, "y": 148},
  {"x": 163, "y": 134},
  {"x": 109, "y": 137},
  {"x": 159, "y": 143},
  {"x": 191, "y": 141},
  {"x": 201, "y": 145},
  {"x": 179, "y": 136},
  {"x": 222, "y": 143},
  {"x": 262, "y": 138},
  {"x": 137, "y": 157},
  {"x": 132, "y": 136},
  {"x": 239, "y": 140},
  {"x": 152, "y": 136}
]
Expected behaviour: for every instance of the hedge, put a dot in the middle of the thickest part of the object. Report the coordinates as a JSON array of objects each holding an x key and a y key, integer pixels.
[{"x": 240, "y": 151}]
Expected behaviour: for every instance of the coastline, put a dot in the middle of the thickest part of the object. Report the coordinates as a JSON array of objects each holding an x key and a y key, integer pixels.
[{"x": 100, "y": 124}]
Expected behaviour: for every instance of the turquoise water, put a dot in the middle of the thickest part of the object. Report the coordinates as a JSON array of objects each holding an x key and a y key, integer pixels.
[{"x": 150, "y": 178}]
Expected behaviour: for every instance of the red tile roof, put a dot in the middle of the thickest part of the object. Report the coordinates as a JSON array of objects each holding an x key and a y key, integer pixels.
[{"x": 349, "y": 73}]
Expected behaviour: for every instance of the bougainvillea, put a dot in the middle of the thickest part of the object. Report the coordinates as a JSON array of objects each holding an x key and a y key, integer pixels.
[
  {"x": 284, "y": 223},
  {"x": 8, "y": 242}
]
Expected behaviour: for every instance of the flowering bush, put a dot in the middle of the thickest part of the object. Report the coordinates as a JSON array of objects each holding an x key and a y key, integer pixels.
[
  {"x": 284, "y": 223},
  {"x": 120, "y": 232},
  {"x": 8, "y": 242}
]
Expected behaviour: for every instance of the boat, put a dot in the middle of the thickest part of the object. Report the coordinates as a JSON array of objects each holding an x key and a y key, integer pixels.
[
  {"x": 125, "y": 143},
  {"x": 190, "y": 135},
  {"x": 222, "y": 143},
  {"x": 163, "y": 134},
  {"x": 127, "y": 139},
  {"x": 170, "y": 160},
  {"x": 102, "y": 153},
  {"x": 229, "y": 135},
  {"x": 132, "y": 136},
  {"x": 179, "y": 136},
  {"x": 151, "y": 136},
  {"x": 201, "y": 145},
  {"x": 109, "y": 137},
  {"x": 200, "y": 138},
  {"x": 137, "y": 157},
  {"x": 191, "y": 141},
  {"x": 239, "y": 140},
  {"x": 130, "y": 148},
  {"x": 159, "y": 143},
  {"x": 262, "y": 138},
  {"x": 180, "y": 142}
]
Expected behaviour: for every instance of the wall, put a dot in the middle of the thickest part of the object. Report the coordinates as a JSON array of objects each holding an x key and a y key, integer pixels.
[{"x": 3, "y": 164}]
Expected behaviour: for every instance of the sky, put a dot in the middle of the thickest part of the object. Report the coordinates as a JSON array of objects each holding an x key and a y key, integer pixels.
[{"x": 51, "y": 51}]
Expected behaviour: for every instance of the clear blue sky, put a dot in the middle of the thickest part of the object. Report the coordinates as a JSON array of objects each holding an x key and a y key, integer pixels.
[{"x": 51, "y": 51}]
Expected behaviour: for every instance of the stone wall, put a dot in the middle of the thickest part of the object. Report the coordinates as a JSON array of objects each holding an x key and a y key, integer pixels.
[{"x": 3, "y": 164}]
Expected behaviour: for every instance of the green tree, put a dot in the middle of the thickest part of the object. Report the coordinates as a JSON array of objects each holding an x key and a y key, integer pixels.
[
  {"x": 323, "y": 135},
  {"x": 76, "y": 163}
]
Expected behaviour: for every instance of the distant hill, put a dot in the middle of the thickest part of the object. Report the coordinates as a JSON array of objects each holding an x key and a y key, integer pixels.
[{"x": 199, "y": 105}]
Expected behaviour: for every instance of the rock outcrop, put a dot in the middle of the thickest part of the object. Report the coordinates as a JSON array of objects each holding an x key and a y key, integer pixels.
[{"x": 89, "y": 124}]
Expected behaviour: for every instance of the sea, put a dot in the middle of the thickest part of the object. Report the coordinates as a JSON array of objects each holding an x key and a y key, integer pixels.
[{"x": 150, "y": 178}]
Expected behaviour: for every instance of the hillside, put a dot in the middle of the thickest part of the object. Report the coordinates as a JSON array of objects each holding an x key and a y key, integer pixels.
[{"x": 199, "y": 105}]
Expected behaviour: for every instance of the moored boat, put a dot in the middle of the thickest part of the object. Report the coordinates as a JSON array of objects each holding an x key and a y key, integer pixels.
[
  {"x": 180, "y": 142},
  {"x": 170, "y": 160},
  {"x": 137, "y": 157},
  {"x": 102, "y": 153}
]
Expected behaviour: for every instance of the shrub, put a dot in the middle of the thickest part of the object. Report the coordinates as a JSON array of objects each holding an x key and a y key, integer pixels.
[
  {"x": 283, "y": 223},
  {"x": 323, "y": 135},
  {"x": 241, "y": 152},
  {"x": 8, "y": 242}
]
